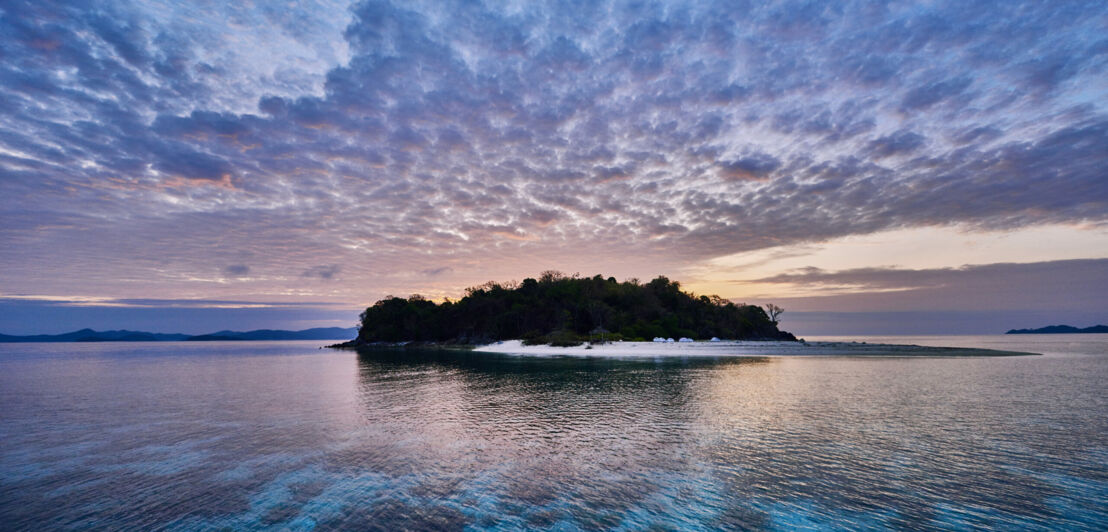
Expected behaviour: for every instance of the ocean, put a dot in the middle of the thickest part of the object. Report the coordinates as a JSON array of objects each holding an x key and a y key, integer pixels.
[{"x": 286, "y": 436}]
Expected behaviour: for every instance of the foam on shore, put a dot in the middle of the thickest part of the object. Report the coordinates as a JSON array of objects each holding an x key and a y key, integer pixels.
[{"x": 737, "y": 349}]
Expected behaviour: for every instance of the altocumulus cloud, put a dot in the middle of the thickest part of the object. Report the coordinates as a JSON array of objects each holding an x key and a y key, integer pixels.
[
  {"x": 439, "y": 133},
  {"x": 236, "y": 270},
  {"x": 325, "y": 272}
]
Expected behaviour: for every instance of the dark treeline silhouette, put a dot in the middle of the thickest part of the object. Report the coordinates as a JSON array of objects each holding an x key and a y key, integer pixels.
[
  {"x": 89, "y": 335},
  {"x": 565, "y": 310},
  {"x": 1061, "y": 329}
]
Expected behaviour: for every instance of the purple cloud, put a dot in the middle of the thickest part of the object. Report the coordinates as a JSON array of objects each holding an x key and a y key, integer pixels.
[{"x": 556, "y": 133}]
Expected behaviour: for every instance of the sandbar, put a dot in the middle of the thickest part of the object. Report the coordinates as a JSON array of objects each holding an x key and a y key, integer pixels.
[{"x": 726, "y": 349}]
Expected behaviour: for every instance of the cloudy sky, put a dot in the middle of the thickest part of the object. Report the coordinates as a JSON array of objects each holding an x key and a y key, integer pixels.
[{"x": 870, "y": 166}]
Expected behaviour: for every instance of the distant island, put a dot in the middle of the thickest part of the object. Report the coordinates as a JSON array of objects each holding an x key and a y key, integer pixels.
[
  {"x": 563, "y": 310},
  {"x": 1061, "y": 329},
  {"x": 89, "y": 335}
]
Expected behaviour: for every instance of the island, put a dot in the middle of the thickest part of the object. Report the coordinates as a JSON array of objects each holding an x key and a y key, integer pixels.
[
  {"x": 573, "y": 316},
  {"x": 562, "y": 310},
  {"x": 1062, "y": 329}
]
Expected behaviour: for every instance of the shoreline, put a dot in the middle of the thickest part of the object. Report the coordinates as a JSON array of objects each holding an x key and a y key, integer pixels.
[{"x": 738, "y": 349}]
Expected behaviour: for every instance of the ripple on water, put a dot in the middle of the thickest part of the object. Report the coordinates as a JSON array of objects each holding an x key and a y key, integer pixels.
[{"x": 288, "y": 439}]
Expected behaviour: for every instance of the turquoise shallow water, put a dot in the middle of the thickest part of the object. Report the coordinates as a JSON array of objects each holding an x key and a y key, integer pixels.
[{"x": 284, "y": 436}]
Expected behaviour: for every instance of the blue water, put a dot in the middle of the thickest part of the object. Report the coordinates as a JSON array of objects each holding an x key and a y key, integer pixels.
[{"x": 284, "y": 436}]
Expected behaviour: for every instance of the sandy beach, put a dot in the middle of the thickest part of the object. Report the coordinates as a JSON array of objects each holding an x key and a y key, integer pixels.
[{"x": 725, "y": 349}]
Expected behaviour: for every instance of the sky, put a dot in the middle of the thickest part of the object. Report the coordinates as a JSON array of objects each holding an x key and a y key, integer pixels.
[{"x": 872, "y": 167}]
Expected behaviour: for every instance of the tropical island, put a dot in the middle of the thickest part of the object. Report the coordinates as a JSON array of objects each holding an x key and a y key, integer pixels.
[
  {"x": 562, "y": 315},
  {"x": 562, "y": 310}
]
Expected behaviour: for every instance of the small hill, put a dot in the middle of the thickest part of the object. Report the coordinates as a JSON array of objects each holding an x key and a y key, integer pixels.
[
  {"x": 319, "y": 333},
  {"x": 1061, "y": 329},
  {"x": 89, "y": 335},
  {"x": 564, "y": 310}
]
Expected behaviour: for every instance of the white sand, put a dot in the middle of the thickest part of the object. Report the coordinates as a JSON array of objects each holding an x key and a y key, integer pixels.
[{"x": 734, "y": 349}]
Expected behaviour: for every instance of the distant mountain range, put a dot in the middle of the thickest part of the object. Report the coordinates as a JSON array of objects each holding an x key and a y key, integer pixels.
[
  {"x": 89, "y": 335},
  {"x": 1061, "y": 329}
]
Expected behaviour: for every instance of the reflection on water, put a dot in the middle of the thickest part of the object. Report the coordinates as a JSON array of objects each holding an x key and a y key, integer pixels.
[
  {"x": 281, "y": 436},
  {"x": 590, "y": 442}
]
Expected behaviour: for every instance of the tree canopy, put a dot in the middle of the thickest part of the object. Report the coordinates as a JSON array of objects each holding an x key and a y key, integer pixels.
[{"x": 561, "y": 309}]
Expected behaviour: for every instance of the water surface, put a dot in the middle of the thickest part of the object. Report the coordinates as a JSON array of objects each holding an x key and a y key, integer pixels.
[{"x": 284, "y": 436}]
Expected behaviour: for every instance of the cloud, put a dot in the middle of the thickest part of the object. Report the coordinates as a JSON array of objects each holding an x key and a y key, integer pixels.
[
  {"x": 325, "y": 272},
  {"x": 755, "y": 166},
  {"x": 925, "y": 96},
  {"x": 898, "y": 143},
  {"x": 946, "y": 322},
  {"x": 36, "y": 316},
  {"x": 385, "y": 136},
  {"x": 80, "y": 301},
  {"x": 1068, "y": 285},
  {"x": 236, "y": 270},
  {"x": 193, "y": 165}
]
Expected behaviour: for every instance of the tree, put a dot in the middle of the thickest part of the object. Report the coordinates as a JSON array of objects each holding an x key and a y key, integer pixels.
[
  {"x": 561, "y": 308},
  {"x": 774, "y": 311}
]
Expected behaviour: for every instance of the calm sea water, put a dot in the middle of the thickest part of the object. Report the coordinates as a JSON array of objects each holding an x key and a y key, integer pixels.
[{"x": 284, "y": 436}]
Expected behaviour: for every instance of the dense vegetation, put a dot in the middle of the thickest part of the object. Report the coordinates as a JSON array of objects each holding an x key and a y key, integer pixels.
[{"x": 564, "y": 311}]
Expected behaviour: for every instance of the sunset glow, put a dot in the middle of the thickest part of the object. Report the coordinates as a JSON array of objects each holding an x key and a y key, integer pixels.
[{"x": 263, "y": 164}]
